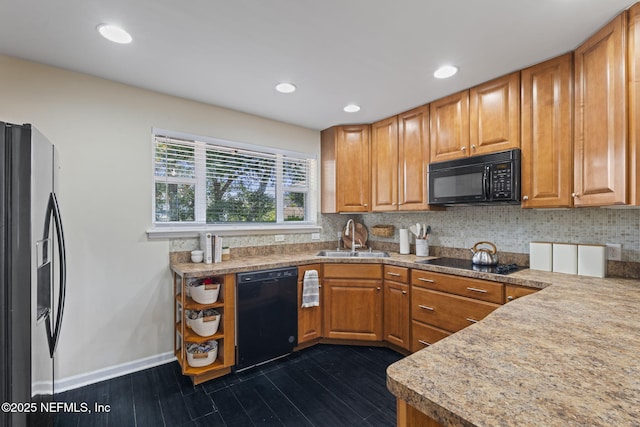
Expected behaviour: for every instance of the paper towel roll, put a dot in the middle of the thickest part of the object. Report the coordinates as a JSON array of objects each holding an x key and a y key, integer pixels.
[{"x": 404, "y": 241}]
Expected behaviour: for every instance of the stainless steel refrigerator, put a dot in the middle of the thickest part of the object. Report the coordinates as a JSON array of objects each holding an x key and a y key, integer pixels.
[{"x": 32, "y": 272}]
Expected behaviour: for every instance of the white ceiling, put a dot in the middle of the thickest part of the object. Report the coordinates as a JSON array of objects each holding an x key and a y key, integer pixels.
[{"x": 376, "y": 53}]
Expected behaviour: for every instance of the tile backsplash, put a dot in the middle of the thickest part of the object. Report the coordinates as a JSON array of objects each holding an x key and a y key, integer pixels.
[{"x": 511, "y": 228}]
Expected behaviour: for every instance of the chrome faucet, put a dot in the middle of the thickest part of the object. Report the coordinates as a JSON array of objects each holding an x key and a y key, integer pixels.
[{"x": 354, "y": 245}]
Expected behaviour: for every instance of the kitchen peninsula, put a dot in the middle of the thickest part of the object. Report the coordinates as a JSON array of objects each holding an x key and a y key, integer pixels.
[{"x": 567, "y": 356}]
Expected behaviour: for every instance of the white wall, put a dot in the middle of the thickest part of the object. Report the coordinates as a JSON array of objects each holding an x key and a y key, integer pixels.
[{"x": 119, "y": 305}]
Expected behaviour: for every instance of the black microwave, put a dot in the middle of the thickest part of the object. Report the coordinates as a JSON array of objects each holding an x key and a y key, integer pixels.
[{"x": 486, "y": 179}]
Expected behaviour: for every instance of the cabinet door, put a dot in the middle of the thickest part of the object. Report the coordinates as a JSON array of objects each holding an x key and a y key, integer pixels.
[
  {"x": 396, "y": 314},
  {"x": 449, "y": 119},
  {"x": 353, "y": 309},
  {"x": 309, "y": 318},
  {"x": 413, "y": 154},
  {"x": 494, "y": 115},
  {"x": 384, "y": 165},
  {"x": 352, "y": 168},
  {"x": 600, "y": 136},
  {"x": 547, "y": 154}
]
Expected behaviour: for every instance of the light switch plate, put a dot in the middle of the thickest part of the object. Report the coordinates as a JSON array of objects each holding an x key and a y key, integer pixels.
[{"x": 315, "y": 236}]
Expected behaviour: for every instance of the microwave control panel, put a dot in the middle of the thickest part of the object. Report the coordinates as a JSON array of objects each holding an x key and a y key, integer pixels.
[{"x": 501, "y": 181}]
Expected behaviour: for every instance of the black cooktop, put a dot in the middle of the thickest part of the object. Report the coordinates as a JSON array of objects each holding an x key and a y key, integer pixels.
[{"x": 466, "y": 264}]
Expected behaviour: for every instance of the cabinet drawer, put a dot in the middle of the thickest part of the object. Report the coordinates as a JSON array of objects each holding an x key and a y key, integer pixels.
[
  {"x": 446, "y": 311},
  {"x": 425, "y": 335},
  {"x": 473, "y": 288},
  {"x": 514, "y": 292},
  {"x": 353, "y": 271},
  {"x": 397, "y": 274}
]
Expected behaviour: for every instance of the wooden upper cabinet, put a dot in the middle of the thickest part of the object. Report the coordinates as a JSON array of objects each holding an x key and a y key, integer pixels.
[
  {"x": 484, "y": 119},
  {"x": 494, "y": 115},
  {"x": 413, "y": 154},
  {"x": 399, "y": 160},
  {"x": 345, "y": 169},
  {"x": 384, "y": 165},
  {"x": 600, "y": 134},
  {"x": 547, "y": 144},
  {"x": 633, "y": 56},
  {"x": 449, "y": 123}
]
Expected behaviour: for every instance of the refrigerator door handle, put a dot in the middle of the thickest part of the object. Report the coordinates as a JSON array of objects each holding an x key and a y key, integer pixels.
[{"x": 53, "y": 210}]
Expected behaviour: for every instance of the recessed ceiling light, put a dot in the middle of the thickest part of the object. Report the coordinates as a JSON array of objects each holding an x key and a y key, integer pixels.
[
  {"x": 114, "y": 34},
  {"x": 352, "y": 108},
  {"x": 285, "y": 87},
  {"x": 445, "y": 71}
]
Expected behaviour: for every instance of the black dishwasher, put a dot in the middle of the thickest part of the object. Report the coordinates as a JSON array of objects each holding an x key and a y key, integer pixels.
[{"x": 266, "y": 315}]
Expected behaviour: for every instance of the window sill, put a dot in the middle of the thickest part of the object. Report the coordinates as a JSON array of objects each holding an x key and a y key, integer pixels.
[{"x": 230, "y": 230}]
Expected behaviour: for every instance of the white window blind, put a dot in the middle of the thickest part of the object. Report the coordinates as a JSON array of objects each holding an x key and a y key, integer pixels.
[{"x": 208, "y": 181}]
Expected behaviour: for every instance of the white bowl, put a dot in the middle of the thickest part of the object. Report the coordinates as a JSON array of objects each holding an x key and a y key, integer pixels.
[
  {"x": 205, "y": 296},
  {"x": 196, "y": 258}
]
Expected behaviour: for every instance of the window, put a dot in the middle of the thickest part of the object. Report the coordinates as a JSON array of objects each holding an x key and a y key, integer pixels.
[{"x": 208, "y": 181}]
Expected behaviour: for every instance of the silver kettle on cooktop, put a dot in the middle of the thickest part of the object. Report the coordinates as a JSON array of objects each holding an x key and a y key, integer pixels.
[{"x": 484, "y": 256}]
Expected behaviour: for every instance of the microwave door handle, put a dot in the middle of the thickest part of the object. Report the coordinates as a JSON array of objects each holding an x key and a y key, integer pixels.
[{"x": 485, "y": 183}]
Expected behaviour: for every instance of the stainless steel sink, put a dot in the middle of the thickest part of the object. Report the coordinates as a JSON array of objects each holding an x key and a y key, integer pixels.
[{"x": 349, "y": 254}]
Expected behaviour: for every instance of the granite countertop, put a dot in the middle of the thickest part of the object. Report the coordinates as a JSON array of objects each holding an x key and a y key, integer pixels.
[
  {"x": 252, "y": 263},
  {"x": 564, "y": 356}
]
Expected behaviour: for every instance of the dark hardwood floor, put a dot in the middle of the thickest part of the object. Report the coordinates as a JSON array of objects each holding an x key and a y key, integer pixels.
[{"x": 324, "y": 385}]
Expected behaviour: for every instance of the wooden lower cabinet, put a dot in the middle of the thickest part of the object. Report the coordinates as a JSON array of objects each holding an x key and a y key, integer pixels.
[
  {"x": 353, "y": 302},
  {"x": 442, "y": 304},
  {"x": 353, "y": 309},
  {"x": 408, "y": 416},
  {"x": 309, "y": 318},
  {"x": 396, "y": 306}
]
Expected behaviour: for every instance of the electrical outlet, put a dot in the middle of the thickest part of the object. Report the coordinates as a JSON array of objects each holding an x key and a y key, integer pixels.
[
  {"x": 614, "y": 251},
  {"x": 315, "y": 236},
  {"x": 279, "y": 237}
]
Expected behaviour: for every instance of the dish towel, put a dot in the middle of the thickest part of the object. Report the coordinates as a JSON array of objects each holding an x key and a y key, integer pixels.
[{"x": 310, "y": 289}]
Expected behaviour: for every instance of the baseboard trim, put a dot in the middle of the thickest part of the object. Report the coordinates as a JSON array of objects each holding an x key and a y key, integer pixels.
[{"x": 76, "y": 381}]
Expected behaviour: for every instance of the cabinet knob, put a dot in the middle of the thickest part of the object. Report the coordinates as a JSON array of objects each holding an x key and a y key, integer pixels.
[
  {"x": 525, "y": 198},
  {"x": 473, "y": 147},
  {"x": 464, "y": 149},
  {"x": 510, "y": 297},
  {"x": 404, "y": 292},
  {"x": 378, "y": 288},
  {"x": 365, "y": 205},
  {"x": 575, "y": 195}
]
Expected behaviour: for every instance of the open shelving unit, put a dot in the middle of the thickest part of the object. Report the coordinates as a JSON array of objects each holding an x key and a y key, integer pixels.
[{"x": 225, "y": 336}]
